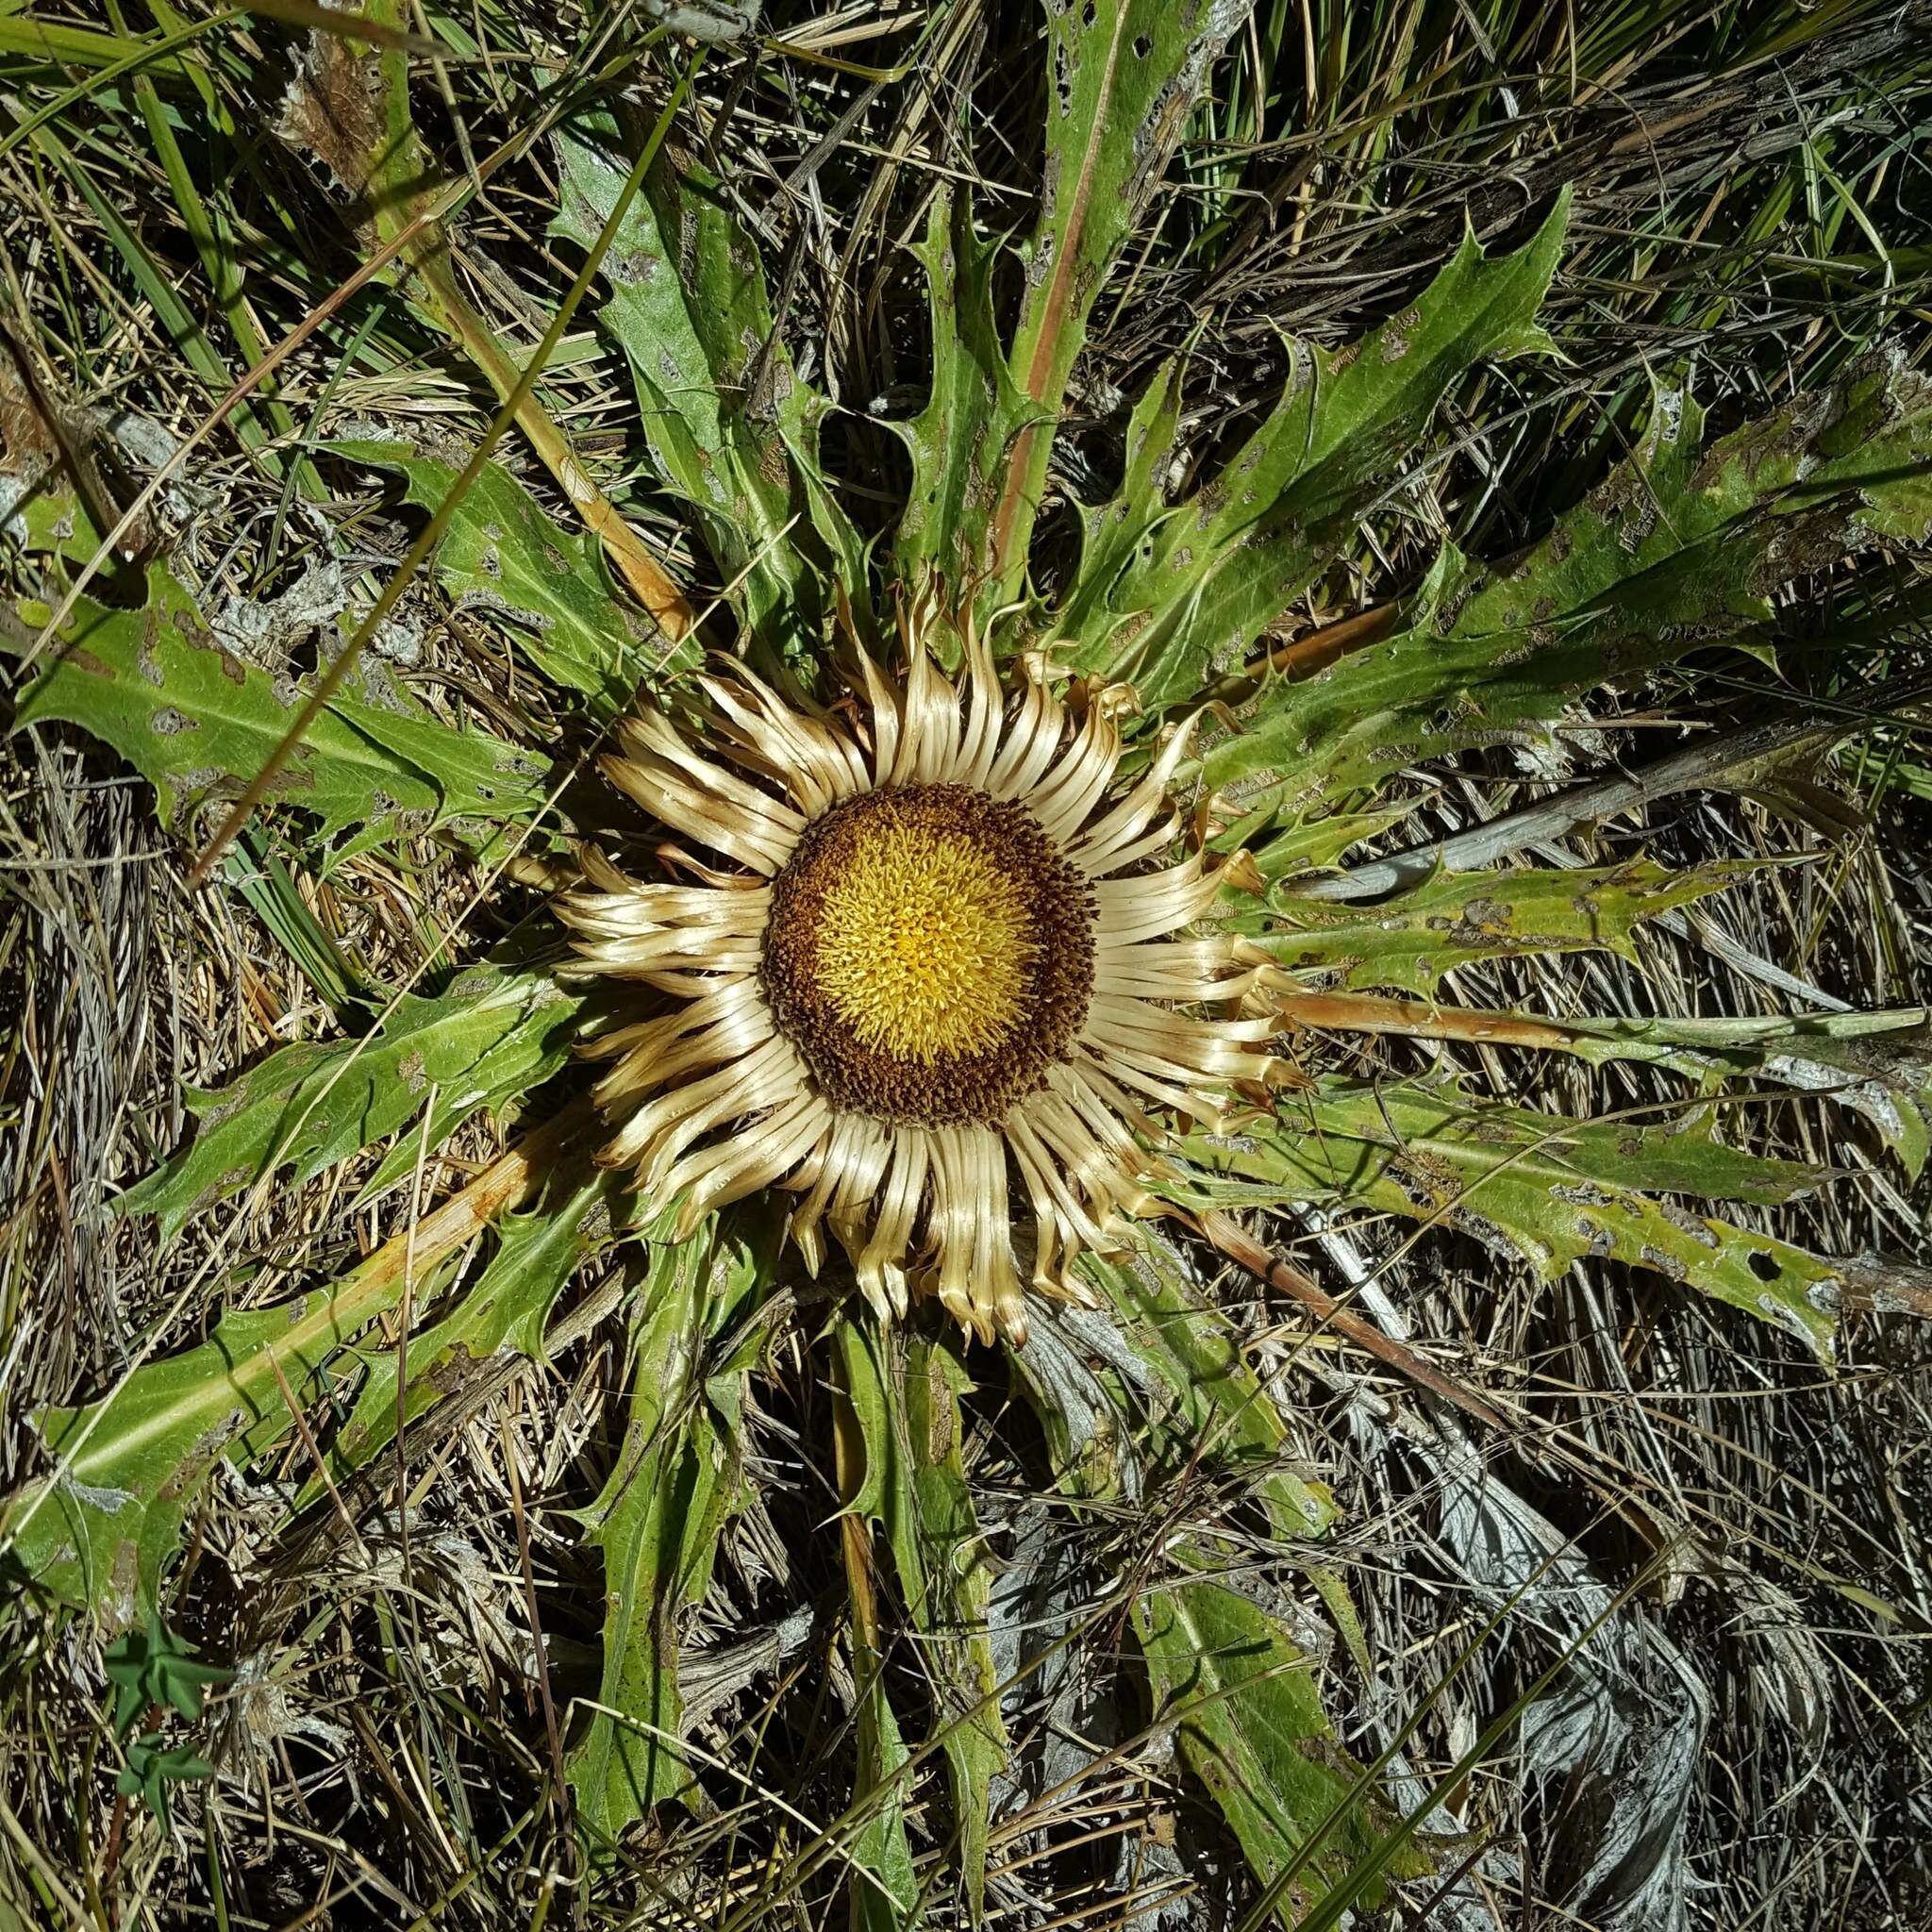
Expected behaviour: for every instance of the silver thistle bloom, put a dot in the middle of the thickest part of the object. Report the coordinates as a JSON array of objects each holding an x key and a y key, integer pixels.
[{"x": 920, "y": 943}]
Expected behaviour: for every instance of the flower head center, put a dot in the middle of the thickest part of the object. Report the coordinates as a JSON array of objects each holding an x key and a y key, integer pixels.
[
  {"x": 924, "y": 941},
  {"x": 929, "y": 951}
]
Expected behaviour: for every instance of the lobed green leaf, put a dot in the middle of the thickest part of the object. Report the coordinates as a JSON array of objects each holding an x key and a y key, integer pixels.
[
  {"x": 507, "y": 1309},
  {"x": 728, "y": 421},
  {"x": 98, "y": 1534},
  {"x": 1248, "y": 1719},
  {"x": 504, "y": 554},
  {"x": 496, "y": 1032},
  {"x": 1550, "y": 1188},
  {"x": 905, "y": 1392},
  {"x": 1214, "y": 1409},
  {"x": 200, "y": 725},
  {"x": 1168, "y": 595},
  {"x": 960, "y": 441},
  {"x": 658, "y": 1521},
  {"x": 1121, "y": 79},
  {"x": 1410, "y": 942},
  {"x": 1678, "y": 550}
]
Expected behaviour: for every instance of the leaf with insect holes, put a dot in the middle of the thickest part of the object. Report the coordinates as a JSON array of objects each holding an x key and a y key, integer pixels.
[
  {"x": 1168, "y": 594},
  {"x": 1241, "y": 1697},
  {"x": 658, "y": 1521},
  {"x": 1680, "y": 549},
  {"x": 905, "y": 1393},
  {"x": 496, "y": 1032},
  {"x": 1409, "y": 943},
  {"x": 1876, "y": 1064},
  {"x": 959, "y": 442},
  {"x": 200, "y": 725},
  {"x": 506, "y": 1309},
  {"x": 728, "y": 421},
  {"x": 502, "y": 552},
  {"x": 1553, "y": 1190},
  {"x": 1122, "y": 80}
]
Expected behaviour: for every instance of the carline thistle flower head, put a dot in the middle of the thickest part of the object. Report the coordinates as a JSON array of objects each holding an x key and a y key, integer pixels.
[{"x": 918, "y": 946}]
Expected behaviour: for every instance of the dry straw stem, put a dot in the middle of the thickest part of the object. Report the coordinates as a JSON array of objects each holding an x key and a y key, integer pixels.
[{"x": 1242, "y": 1249}]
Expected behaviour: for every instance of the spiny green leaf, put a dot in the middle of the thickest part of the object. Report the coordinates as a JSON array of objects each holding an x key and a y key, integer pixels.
[
  {"x": 885, "y": 1888},
  {"x": 1119, "y": 532},
  {"x": 1122, "y": 76},
  {"x": 1305, "y": 844},
  {"x": 504, "y": 554},
  {"x": 1674, "y": 553},
  {"x": 1411, "y": 943},
  {"x": 507, "y": 1309},
  {"x": 1877, "y": 1064},
  {"x": 959, "y": 442},
  {"x": 478, "y": 774},
  {"x": 99, "y": 1534},
  {"x": 200, "y": 725},
  {"x": 658, "y": 1521},
  {"x": 1250, "y": 1725},
  {"x": 491, "y": 1036},
  {"x": 905, "y": 1393},
  {"x": 1554, "y": 1190},
  {"x": 728, "y": 423},
  {"x": 942, "y": 1571},
  {"x": 1168, "y": 595}
]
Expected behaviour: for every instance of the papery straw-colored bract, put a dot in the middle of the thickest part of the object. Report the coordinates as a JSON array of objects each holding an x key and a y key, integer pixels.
[{"x": 913, "y": 945}]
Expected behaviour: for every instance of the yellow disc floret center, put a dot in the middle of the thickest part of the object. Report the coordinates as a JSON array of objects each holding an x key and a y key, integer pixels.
[
  {"x": 923, "y": 942},
  {"x": 929, "y": 951}
]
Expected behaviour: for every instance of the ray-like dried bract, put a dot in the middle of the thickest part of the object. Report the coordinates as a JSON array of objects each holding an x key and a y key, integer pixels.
[{"x": 931, "y": 952}]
